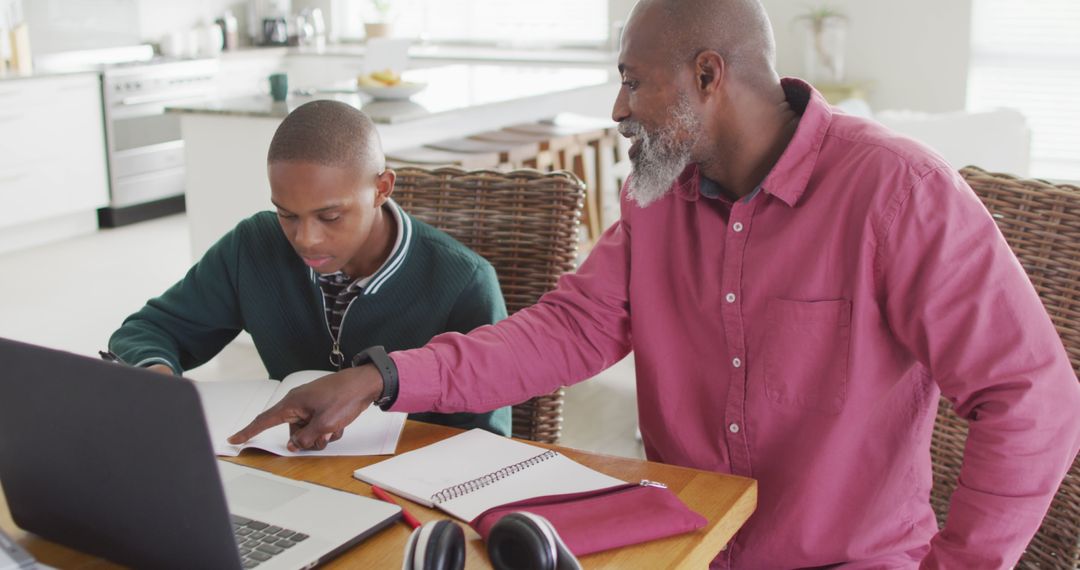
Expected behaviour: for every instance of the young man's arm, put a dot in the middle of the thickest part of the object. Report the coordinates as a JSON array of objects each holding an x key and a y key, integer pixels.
[
  {"x": 192, "y": 320},
  {"x": 956, "y": 297}
]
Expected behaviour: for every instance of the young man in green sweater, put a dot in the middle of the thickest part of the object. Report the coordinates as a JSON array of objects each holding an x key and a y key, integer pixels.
[{"x": 339, "y": 267}]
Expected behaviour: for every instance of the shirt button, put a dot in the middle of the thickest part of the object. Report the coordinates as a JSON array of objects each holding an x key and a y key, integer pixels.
[
  {"x": 736, "y": 362},
  {"x": 733, "y": 428},
  {"x": 730, "y": 297},
  {"x": 737, "y": 226}
]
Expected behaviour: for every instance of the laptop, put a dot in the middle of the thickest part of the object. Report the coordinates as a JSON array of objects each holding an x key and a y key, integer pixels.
[{"x": 117, "y": 462}]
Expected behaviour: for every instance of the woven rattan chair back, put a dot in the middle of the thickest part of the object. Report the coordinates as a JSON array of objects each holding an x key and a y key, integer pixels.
[
  {"x": 1041, "y": 222},
  {"x": 525, "y": 223}
]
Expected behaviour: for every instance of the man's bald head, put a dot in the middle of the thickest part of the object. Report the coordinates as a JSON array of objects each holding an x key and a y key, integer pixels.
[
  {"x": 329, "y": 133},
  {"x": 739, "y": 30}
]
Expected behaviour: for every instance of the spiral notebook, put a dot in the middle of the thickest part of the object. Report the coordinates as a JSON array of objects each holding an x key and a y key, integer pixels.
[{"x": 469, "y": 473}]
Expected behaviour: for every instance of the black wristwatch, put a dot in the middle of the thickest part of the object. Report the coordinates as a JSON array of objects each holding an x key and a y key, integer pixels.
[{"x": 387, "y": 369}]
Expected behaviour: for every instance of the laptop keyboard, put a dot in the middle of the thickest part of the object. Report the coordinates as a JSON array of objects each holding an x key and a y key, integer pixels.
[{"x": 259, "y": 541}]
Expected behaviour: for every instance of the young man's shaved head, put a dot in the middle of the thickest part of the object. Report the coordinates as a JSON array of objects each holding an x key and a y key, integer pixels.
[
  {"x": 329, "y": 133},
  {"x": 329, "y": 181}
]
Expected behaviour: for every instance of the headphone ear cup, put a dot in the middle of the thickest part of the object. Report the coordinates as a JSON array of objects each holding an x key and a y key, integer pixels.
[
  {"x": 516, "y": 542},
  {"x": 445, "y": 548},
  {"x": 410, "y": 551},
  {"x": 564, "y": 559},
  {"x": 436, "y": 545}
]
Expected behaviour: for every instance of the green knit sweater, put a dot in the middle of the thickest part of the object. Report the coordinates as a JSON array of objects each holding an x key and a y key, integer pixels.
[{"x": 253, "y": 280}]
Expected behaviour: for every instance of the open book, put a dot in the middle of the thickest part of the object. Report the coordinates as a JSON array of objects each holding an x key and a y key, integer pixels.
[
  {"x": 231, "y": 405},
  {"x": 471, "y": 472}
]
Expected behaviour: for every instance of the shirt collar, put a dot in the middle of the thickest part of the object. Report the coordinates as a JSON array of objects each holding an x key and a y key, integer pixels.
[
  {"x": 789, "y": 176},
  {"x": 393, "y": 261}
]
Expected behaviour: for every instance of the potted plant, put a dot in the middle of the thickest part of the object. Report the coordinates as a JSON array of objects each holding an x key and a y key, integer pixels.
[
  {"x": 379, "y": 20},
  {"x": 824, "y": 32}
]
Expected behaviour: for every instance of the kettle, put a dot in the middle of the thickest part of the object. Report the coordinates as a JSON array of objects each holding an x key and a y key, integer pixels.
[{"x": 275, "y": 31}]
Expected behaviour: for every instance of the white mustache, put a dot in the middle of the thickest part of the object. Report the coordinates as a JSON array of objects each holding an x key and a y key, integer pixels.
[{"x": 630, "y": 129}]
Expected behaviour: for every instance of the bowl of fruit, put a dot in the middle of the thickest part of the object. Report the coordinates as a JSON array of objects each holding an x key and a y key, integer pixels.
[{"x": 387, "y": 84}]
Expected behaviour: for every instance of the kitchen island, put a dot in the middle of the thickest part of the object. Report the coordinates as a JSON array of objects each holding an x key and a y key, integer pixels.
[{"x": 226, "y": 140}]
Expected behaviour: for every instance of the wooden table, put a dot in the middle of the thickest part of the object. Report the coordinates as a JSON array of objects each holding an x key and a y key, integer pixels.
[{"x": 726, "y": 501}]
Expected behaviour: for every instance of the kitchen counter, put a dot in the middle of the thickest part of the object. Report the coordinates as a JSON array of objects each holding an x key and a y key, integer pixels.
[
  {"x": 12, "y": 76},
  {"x": 226, "y": 140},
  {"x": 450, "y": 89},
  {"x": 440, "y": 54},
  {"x": 476, "y": 53}
]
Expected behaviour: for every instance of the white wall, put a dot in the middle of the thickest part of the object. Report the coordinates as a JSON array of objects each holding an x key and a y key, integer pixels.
[
  {"x": 159, "y": 17},
  {"x": 914, "y": 54},
  {"x": 64, "y": 25}
]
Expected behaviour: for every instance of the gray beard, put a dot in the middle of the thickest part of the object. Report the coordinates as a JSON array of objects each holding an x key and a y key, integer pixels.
[{"x": 661, "y": 156}]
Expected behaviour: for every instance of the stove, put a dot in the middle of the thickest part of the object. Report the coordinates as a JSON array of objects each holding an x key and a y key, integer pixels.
[{"x": 144, "y": 147}]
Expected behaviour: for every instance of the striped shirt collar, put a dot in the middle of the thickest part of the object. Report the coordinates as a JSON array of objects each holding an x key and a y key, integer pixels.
[{"x": 372, "y": 283}]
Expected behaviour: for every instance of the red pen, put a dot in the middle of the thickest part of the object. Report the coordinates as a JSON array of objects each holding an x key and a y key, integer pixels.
[{"x": 383, "y": 495}]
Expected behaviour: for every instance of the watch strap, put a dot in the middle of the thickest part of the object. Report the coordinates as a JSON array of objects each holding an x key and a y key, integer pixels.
[{"x": 376, "y": 355}]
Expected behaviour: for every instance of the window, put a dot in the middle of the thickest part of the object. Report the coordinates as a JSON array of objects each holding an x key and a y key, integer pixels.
[
  {"x": 1026, "y": 55},
  {"x": 547, "y": 23}
]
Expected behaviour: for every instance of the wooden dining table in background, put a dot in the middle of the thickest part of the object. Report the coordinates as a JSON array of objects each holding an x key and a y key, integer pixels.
[{"x": 725, "y": 501}]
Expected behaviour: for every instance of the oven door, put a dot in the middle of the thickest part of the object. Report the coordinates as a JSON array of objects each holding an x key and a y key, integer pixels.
[{"x": 146, "y": 149}]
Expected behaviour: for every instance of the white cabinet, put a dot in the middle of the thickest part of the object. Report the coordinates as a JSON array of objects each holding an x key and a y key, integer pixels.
[{"x": 52, "y": 148}]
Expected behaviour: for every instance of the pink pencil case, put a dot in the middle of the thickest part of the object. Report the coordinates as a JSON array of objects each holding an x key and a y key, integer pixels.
[{"x": 607, "y": 518}]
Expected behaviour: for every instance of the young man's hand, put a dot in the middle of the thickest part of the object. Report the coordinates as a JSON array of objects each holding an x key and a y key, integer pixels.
[
  {"x": 161, "y": 369},
  {"x": 318, "y": 412}
]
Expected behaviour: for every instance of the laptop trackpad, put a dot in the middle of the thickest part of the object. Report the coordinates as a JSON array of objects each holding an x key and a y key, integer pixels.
[{"x": 251, "y": 492}]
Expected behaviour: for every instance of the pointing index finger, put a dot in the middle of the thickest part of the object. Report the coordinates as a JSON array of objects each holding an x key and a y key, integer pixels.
[{"x": 264, "y": 421}]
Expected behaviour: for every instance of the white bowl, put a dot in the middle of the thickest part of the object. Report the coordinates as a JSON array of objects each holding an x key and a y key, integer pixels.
[{"x": 402, "y": 90}]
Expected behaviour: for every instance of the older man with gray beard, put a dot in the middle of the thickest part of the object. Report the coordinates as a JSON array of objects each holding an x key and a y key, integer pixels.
[
  {"x": 659, "y": 158},
  {"x": 798, "y": 287}
]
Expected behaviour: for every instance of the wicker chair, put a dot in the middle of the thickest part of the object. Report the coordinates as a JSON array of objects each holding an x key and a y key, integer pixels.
[
  {"x": 526, "y": 224},
  {"x": 1041, "y": 222}
]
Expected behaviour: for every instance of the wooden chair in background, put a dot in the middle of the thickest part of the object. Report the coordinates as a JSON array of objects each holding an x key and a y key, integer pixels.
[
  {"x": 1041, "y": 222},
  {"x": 524, "y": 222},
  {"x": 589, "y": 147}
]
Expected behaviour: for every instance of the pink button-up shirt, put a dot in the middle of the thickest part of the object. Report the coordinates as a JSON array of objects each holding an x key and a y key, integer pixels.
[{"x": 801, "y": 338}]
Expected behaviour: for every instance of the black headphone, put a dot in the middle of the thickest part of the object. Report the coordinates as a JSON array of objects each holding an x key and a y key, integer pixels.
[
  {"x": 436, "y": 545},
  {"x": 518, "y": 541}
]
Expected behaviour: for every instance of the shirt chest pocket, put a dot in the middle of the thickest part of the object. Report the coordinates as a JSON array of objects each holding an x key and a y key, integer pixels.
[{"x": 806, "y": 353}]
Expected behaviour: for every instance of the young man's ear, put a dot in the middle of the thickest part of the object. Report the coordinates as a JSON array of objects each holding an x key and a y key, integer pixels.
[
  {"x": 384, "y": 186},
  {"x": 709, "y": 71}
]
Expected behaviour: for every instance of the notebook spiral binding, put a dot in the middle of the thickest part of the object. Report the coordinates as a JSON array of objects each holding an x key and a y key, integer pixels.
[{"x": 467, "y": 487}]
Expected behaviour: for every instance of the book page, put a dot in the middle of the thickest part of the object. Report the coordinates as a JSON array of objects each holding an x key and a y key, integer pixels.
[
  {"x": 374, "y": 432},
  {"x": 229, "y": 406},
  {"x": 421, "y": 473}
]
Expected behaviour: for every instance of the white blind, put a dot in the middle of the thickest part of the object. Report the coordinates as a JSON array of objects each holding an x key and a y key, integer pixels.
[
  {"x": 1026, "y": 55},
  {"x": 514, "y": 22}
]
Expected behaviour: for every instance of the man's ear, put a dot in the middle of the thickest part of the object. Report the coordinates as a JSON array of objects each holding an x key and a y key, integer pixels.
[
  {"x": 384, "y": 186},
  {"x": 709, "y": 71}
]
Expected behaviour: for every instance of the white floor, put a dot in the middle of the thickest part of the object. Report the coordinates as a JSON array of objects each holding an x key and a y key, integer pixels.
[{"x": 72, "y": 294}]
